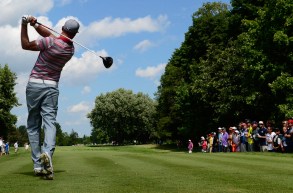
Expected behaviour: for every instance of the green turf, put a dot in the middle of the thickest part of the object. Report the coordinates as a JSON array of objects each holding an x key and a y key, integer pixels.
[{"x": 132, "y": 169}]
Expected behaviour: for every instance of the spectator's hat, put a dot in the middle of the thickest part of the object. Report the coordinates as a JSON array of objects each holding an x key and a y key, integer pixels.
[
  {"x": 236, "y": 131},
  {"x": 290, "y": 121},
  {"x": 202, "y": 138},
  {"x": 260, "y": 122}
]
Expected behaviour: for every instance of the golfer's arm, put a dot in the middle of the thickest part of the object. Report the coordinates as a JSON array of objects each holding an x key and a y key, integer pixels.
[
  {"x": 43, "y": 31},
  {"x": 25, "y": 43}
]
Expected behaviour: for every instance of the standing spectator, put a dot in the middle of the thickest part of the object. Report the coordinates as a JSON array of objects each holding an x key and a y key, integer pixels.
[
  {"x": 220, "y": 134},
  {"x": 231, "y": 131},
  {"x": 211, "y": 142},
  {"x": 225, "y": 140},
  {"x": 288, "y": 136},
  {"x": 235, "y": 141},
  {"x": 190, "y": 146},
  {"x": 269, "y": 138},
  {"x": 277, "y": 141},
  {"x": 215, "y": 142},
  {"x": 7, "y": 148},
  {"x": 262, "y": 137},
  {"x": 255, "y": 139},
  {"x": 249, "y": 138},
  {"x": 15, "y": 147},
  {"x": 203, "y": 144},
  {"x": 243, "y": 140},
  {"x": 3, "y": 147},
  {"x": 1, "y": 144}
]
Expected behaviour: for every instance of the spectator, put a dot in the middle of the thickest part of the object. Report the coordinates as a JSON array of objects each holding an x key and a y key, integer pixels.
[
  {"x": 262, "y": 137},
  {"x": 15, "y": 147},
  {"x": 231, "y": 131},
  {"x": 235, "y": 141},
  {"x": 215, "y": 142},
  {"x": 255, "y": 139},
  {"x": 3, "y": 147},
  {"x": 7, "y": 148},
  {"x": 203, "y": 144},
  {"x": 249, "y": 138},
  {"x": 211, "y": 142},
  {"x": 277, "y": 141},
  {"x": 190, "y": 146},
  {"x": 243, "y": 141},
  {"x": 225, "y": 140},
  {"x": 1, "y": 144},
  {"x": 284, "y": 139},
  {"x": 269, "y": 138},
  {"x": 288, "y": 136},
  {"x": 220, "y": 134}
]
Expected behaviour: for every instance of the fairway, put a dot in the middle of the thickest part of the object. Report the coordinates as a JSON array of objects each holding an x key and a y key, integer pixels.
[{"x": 147, "y": 168}]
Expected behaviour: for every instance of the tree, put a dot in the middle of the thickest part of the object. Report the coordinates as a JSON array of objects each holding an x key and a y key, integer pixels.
[
  {"x": 8, "y": 100},
  {"x": 73, "y": 138},
  {"x": 122, "y": 116},
  {"x": 181, "y": 111},
  {"x": 233, "y": 64}
]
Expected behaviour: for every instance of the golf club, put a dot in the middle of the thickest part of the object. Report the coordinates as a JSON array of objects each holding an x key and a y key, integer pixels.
[{"x": 107, "y": 60}]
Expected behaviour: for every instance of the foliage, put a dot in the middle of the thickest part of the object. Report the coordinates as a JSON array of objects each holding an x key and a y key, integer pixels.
[
  {"x": 234, "y": 63},
  {"x": 8, "y": 100},
  {"x": 122, "y": 116},
  {"x": 149, "y": 169}
]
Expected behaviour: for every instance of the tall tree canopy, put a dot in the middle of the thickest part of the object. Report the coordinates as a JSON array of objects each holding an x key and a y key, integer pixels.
[
  {"x": 123, "y": 116},
  {"x": 8, "y": 100},
  {"x": 235, "y": 63}
]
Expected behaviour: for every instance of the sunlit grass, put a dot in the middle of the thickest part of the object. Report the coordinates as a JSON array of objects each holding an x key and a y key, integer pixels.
[{"x": 148, "y": 168}]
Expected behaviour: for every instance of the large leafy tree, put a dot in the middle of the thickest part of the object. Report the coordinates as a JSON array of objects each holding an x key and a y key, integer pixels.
[
  {"x": 233, "y": 64},
  {"x": 123, "y": 116},
  {"x": 182, "y": 112},
  {"x": 8, "y": 100}
]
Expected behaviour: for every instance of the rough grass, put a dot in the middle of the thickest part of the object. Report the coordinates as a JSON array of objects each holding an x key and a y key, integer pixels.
[{"x": 149, "y": 169}]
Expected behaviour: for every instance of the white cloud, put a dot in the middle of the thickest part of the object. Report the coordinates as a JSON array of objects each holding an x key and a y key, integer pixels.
[
  {"x": 143, "y": 45},
  {"x": 20, "y": 87},
  {"x": 150, "y": 71},
  {"x": 86, "y": 90},
  {"x": 12, "y": 10},
  {"x": 84, "y": 69},
  {"x": 115, "y": 27},
  {"x": 82, "y": 107}
]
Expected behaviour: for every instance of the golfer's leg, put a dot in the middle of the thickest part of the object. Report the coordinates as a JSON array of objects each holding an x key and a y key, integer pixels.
[
  {"x": 49, "y": 113},
  {"x": 34, "y": 122}
]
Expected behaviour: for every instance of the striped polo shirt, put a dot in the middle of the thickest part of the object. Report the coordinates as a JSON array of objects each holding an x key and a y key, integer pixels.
[{"x": 54, "y": 54}]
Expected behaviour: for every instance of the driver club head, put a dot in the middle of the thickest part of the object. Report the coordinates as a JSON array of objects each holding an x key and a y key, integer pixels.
[{"x": 107, "y": 61}]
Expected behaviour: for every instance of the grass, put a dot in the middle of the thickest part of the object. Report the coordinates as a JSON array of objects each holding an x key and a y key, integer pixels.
[{"x": 131, "y": 169}]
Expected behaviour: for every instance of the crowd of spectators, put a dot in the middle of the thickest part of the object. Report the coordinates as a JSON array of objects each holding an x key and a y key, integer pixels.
[
  {"x": 5, "y": 147},
  {"x": 250, "y": 137}
]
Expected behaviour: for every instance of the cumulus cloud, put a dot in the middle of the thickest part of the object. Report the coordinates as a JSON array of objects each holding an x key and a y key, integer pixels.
[
  {"x": 151, "y": 71},
  {"x": 115, "y": 27},
  {"x": 82, "y": 107},
  {"x": 86, "y": 90},
  {"x": 12, "y": 10},
  {"x": 84, "y": 69},
  {"x": 143, "y": 45}
]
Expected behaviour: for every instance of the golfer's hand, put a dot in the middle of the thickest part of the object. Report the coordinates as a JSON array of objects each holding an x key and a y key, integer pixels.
[{"x": 28, "y": 19}]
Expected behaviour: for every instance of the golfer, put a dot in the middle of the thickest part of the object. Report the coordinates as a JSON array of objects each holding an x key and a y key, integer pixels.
[{"x": 42, "y": 88}]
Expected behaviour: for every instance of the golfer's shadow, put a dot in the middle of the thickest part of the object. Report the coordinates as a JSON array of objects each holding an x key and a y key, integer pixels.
[{"x": 31, "y": 173}]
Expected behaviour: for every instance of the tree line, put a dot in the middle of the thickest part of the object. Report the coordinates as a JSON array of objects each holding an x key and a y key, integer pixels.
[{"x": 234, "y": 63}]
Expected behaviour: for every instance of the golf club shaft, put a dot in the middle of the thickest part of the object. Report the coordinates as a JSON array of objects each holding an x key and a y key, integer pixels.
[{"x": 68, "y": 38}]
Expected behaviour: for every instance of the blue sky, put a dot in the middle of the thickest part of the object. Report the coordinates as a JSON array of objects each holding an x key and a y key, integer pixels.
[{"x": 140, "y": 35}]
